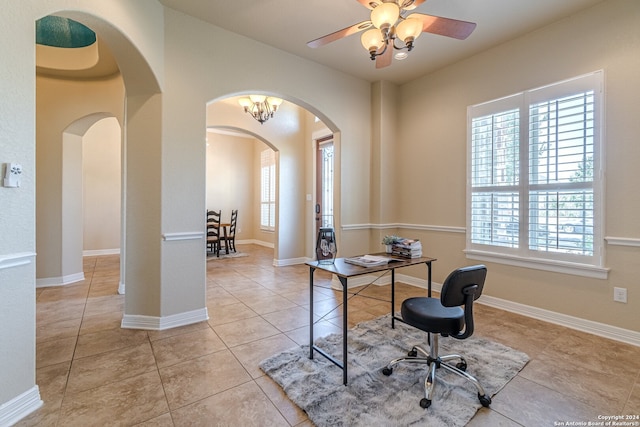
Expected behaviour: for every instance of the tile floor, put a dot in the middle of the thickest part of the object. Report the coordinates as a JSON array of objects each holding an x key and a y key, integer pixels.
[{"x": 93, "y": 373}]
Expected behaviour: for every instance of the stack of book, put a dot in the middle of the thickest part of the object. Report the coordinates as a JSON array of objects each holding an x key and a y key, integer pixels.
[{"x": 407, "y": 248}]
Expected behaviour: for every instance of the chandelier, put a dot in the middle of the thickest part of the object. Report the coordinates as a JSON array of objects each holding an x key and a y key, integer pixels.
[
  {"x": 389, "y": 27},
  {"x": 261, "y": 107}
]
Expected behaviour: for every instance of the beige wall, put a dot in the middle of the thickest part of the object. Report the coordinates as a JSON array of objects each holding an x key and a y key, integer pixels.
[
  {"x": 230, "y": 179},
  {"x": 101, "y": 161},
  {"x": 432, "y": 131}
]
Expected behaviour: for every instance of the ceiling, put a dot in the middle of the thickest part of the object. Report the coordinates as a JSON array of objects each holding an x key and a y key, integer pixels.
[{"x": 289, "y": 24}]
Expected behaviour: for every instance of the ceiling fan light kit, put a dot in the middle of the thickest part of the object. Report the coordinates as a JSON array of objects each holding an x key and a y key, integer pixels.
[
  {"x": 390, "y": 21},
  {"x": 261, "y": 107}
]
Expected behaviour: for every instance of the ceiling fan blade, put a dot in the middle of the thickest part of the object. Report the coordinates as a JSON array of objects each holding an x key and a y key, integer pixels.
[
  {"x": 384, "y": 60},
  {"x": 445, "y": 26},
  {"x": 411, "y": 4},
  {"x": 340, "y": 34},
  {"x": 370, "y": 4}
]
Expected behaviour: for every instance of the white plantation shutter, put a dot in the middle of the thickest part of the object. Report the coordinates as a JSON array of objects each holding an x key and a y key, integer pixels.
[
  {"x": 268, "y": 189},
  {"x": 533, "y": 188}
]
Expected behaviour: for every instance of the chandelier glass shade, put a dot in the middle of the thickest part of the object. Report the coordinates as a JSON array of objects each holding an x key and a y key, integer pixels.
[
  {"x": 390, "y": 25},
  {"x": 261, "y": 107}
]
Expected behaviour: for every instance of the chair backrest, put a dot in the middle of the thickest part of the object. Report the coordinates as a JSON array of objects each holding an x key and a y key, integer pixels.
[
  {"x": 213, "y": 223},
  {"x": 233, "y": 222},
  {"x": 462, "y": 287}
]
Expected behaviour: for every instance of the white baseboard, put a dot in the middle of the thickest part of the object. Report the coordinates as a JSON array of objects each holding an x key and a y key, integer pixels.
[
  {"x": 59, "y": 281},
  {"x": 290, "y": 261},
  {"x": 121, "y": 288},
  {"x": 153, "y": 323},
  {"x": 99, "y": 252},
  {"x": 19, "y": 407}
]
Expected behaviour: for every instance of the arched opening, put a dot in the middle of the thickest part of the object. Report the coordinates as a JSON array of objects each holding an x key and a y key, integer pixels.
[{"x": 292, "y": 132}]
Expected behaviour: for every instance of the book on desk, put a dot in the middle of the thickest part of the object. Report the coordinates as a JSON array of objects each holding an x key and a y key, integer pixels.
[{"x": 370, "y": 260}]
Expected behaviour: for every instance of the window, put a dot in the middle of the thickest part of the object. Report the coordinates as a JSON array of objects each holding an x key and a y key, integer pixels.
[
  {"x": 268, "y": 190},
  {"x": 535, "y": 189}
]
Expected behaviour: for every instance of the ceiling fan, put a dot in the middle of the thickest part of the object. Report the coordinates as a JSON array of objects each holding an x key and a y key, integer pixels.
[{"x": 391, "y": 21}]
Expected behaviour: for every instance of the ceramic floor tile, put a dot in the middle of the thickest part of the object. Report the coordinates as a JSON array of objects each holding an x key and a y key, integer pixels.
[
  {"x": 288, "y": 319},
  {"x": 179, "y": 348},
  {"x": 104, "y": 368},
  {"x": 606, "y": 392},
  {"x": 531, "y": 404},
  {"x": 163, "y": 420},
  {"x": 56, "y": 330},
  {"x": 219, "y": 315},
  {"x": 191, "y": 381},
  {"x": 244, "y": 331},
  {"x": 104, "y": 304},
  {"x": 126, "y": 402},
  {"x": 103, "y": 341},
  {"x": 101, "y": 322},
  {"x": 55, "y": 351},
  {"x": 245, "y": 405},
  {"x": 167, "y": 333}
]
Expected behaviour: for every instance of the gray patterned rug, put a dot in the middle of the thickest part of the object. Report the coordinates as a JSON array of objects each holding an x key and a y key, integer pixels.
[{"x": 372, "y": 399}]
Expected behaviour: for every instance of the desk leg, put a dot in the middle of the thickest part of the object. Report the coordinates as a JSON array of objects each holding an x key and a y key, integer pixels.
[
  {"x": 393, "y": 298},
  {"x": 311, "y": 271},
  {"x": 429, "y": 279},
  {"x": 343, "y": 280}
]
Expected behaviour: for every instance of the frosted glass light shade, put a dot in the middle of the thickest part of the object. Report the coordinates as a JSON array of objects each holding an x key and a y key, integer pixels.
[
  {"x": 257, "y": 98},
  {"x": 385, "y": 15},
  {"x": 409, "y": 29},
  {"x": 245, "y": 102},
  {"x": 372, "y": 40},
  {"x": 273, "y": 101}
]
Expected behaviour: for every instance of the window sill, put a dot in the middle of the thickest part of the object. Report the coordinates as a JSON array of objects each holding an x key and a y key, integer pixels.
[{"x": 584, "y": 270}]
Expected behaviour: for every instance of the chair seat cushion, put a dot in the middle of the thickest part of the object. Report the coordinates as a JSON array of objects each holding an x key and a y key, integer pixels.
[{"x": 430, "y": 315}]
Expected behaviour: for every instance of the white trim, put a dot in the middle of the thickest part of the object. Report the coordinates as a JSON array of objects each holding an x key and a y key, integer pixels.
[
  {"x": 121, "y": 288},
  {"x": 622, "y": 241},
  {"x": 20, "y": 406},
  {"x": 189, "y": 235},
  {"x": 100, "y": 252},
  {"x": 255, "y": 242},
  {"x": 16, "y": 260},
  {"x": 59, "y": 281},
  {"x": 290, "y": 261},
  {"x": 584, "y": 270},
  {"x": 424, "y": 227},
  {"x": 154, "y": 323}
]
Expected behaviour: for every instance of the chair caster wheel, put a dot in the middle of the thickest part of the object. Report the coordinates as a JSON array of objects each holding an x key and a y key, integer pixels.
[
  {"x": 462, "y": 365},
  {"x": 387, "y": 371},
  {"x": 412, "y": 353},
  {"x": 425, "y": 403},
  {"x": 485, "y": 400}
]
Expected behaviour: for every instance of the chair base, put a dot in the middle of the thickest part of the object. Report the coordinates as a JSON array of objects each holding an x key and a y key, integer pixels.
[{"x": 435, "y": 362}]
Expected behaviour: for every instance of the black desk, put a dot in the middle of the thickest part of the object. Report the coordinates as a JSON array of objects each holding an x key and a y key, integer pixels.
[{"x": 344, "y": 271}]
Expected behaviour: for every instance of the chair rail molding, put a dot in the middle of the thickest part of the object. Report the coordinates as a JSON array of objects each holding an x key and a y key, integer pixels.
[
  {"x": 16, "y": 260},
  {"x": 388, "y": 226},
  {"x": 623, "y": 241},
  {"x": 189, "y": 235}
]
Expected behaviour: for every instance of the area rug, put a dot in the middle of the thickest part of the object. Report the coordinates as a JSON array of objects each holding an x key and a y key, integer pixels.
[
  {"x": 373, "y": 399},
  {"x": 224, "y": 255}
]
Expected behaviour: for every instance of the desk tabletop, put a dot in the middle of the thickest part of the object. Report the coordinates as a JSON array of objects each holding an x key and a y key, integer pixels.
[{"x": 344, "y": 269}]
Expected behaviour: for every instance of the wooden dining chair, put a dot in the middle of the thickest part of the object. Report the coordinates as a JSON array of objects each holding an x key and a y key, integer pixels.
[
  {"x": 231, "y": 236},
  {"x": 213, "y": 231}
]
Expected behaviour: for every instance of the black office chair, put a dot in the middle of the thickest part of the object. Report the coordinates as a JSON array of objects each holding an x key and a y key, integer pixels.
[{"x": 446, "y": 317}]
